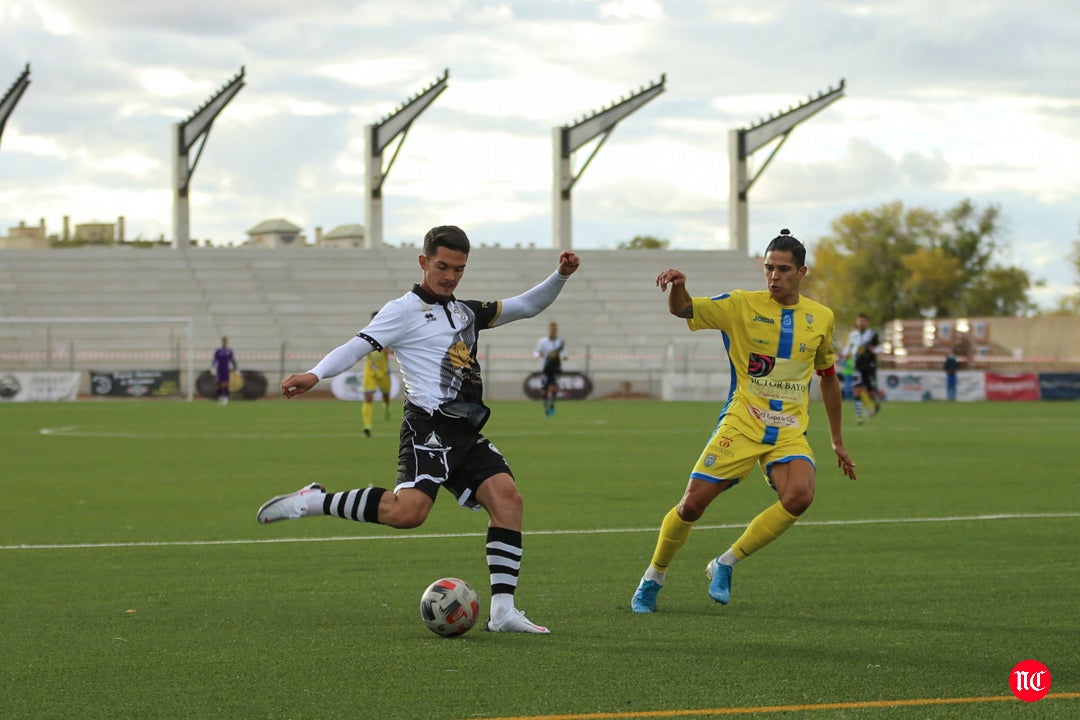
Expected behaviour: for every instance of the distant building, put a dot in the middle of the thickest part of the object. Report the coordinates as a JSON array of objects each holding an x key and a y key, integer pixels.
[
  {"x": 25, "y": 237},
  {"x": 275, "y": 233},
  {"x": 95, "y": 233},
  {"x": 341, "y": 236}
]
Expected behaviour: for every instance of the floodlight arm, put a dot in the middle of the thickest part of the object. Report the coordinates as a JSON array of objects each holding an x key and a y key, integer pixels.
[
  {"x": 570, "y": 138},
  {"x": 743, "y": 142},
  {"x": 377, "y": 189},
  {"x": 572, "y": 180},
  {"x": 749, "y": 183},
  {"x": 399, "y": 121},
  {"x": 11, "y": 97},
  {"x": 378, "y": 137},
  {"x": 196, "y": 129}
]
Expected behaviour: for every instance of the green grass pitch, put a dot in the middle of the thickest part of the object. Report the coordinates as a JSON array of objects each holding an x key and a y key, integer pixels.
[{"x": 135, "y": 583}]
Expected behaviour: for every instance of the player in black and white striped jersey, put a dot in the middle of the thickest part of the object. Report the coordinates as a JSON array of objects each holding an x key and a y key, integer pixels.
[{"x": 434, "y": 336}]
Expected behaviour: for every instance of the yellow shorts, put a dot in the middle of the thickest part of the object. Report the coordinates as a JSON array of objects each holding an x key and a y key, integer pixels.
[
  {"x": 377, "y": 381},
  {"x": 729, "y": 456}
]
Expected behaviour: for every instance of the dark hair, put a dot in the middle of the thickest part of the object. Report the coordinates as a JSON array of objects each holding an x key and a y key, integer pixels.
[
  {"x": 447, "y": 236},
  {"x": 785, "y": 241}
]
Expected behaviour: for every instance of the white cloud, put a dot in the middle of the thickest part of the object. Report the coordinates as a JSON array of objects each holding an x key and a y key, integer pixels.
[
  {"x": 171, "y": 82},
  {"x": 14, "y": 141}
]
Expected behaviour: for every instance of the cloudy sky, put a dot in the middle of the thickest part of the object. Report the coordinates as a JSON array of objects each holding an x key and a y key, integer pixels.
[{"x": 943, "y": 101}]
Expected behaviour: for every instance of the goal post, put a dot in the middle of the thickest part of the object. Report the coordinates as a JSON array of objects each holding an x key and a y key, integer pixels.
[{"x": 38, "y": 343}]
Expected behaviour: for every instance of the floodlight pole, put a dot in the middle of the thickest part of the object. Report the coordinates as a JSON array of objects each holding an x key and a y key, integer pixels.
[
  {"x": 185, "y": 135},
  {"x": 377, "y": 137},
  {"x": 568, "y": 138},
  {"x": 743, "y": 142},
  {"x": 11, "y": 97}
]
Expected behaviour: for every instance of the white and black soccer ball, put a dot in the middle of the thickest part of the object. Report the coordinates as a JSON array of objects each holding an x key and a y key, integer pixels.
[{"x": 449, "y": 607}]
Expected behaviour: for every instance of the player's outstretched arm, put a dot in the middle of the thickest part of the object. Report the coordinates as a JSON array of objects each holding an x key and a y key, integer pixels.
[{"x": 531, "y": 302}]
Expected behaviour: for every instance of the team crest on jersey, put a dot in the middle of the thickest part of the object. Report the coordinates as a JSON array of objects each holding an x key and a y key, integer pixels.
[
  {"x": 710, "y": 460},
  {"x": 760, "y": 365},
  {"x": 432, "y": 441},
  {"x": 809, "y": 319}
]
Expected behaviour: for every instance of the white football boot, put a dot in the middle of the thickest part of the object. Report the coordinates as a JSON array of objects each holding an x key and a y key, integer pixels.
[
  {"x": 516, "y": 622},
  {"x": 291, "y": 506}
]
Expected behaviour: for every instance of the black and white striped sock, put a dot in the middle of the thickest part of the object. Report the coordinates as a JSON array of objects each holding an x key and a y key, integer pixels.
[
  {"x": 503, "y": 559},
  {"x": 361, "y": 505}
]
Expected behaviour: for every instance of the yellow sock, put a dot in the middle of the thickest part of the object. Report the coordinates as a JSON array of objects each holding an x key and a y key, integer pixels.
[
  {"x": 673, "y": 534},
  {"x": 367, "y": 414},
  {"x": 762, "y": 530}
]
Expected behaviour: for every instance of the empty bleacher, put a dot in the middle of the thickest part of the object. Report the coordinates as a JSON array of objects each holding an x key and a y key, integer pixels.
[{"x": 283, "y": 309}]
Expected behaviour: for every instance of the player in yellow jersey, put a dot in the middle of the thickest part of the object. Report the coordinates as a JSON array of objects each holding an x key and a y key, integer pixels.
[
  {"x": 376, "y": 377},
  {"x": 776, "y": 340}
]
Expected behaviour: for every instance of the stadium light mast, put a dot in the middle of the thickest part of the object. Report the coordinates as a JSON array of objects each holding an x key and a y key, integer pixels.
[
  {"x": 11, "y": 97},
  {"x": 568, "y": 138},
  {"x": 378, "y": 136},
  {"x": 744, "y": 141},
  {"x": 185, "y": 135}
]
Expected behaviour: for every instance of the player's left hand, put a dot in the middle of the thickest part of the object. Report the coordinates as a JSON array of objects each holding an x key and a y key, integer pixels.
[
  {"x": 844, "y": 461},
  {"x": 568, "y": 263}
]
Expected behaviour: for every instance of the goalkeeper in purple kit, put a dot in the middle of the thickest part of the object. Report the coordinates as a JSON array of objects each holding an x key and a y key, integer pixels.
[{"x": 223, "y": 365}]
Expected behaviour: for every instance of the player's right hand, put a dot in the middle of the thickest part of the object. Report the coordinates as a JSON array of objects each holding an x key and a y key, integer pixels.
[
  {"x": 670, "y": 277},
  {"x": 298, "y": 383}
]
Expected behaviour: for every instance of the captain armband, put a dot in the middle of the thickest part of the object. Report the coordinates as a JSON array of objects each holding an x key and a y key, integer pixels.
[{"x": 831, "y": 370}]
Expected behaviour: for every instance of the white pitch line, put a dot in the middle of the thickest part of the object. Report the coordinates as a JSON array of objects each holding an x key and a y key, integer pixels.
[{"x": 592, "y": 531}]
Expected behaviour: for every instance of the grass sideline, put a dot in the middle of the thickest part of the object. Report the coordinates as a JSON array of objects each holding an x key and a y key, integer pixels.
[{"x": 951, "y": 559}]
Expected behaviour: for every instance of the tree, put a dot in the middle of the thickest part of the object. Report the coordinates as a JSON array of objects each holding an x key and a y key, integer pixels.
[
  {"x": 894, "y": 262},
  {"x": 1000, "y": 291},
  {"x": 644, "y": 242},
  {"x": 862, "y": 260},
  {"x": 932, "y": 277}
]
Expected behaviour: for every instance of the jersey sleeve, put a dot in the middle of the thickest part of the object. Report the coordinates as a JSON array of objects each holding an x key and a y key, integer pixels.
[
  {"x": 715, "y": 313},
  {"x": 387, "y": 327},
  {"x": 487, "y": 312}
]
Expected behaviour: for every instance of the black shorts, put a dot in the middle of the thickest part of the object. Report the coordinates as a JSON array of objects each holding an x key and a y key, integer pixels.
[
  {"x": 550, "y": 374},
  {"x": 442, "y": 451}
]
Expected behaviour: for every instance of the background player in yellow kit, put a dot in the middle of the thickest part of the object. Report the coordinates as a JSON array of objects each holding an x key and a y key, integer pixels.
[
  {"x": 776, "y": 340},
  {"x": 376, "y": 377}
]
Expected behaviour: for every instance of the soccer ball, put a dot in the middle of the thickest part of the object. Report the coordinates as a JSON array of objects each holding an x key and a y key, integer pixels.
[{"x": 449, "y": 607}]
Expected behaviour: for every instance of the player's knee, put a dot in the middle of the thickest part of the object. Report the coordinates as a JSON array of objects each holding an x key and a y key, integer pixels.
[
  {"x": 407, "y": 518},
  {"x": 510, "y": 501},
  {"x": 404, "y": 514},
  {"x": 691, "y": 509},
  {"x": 504, "y": 504},
  {"x": 798, "y": 500}
]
